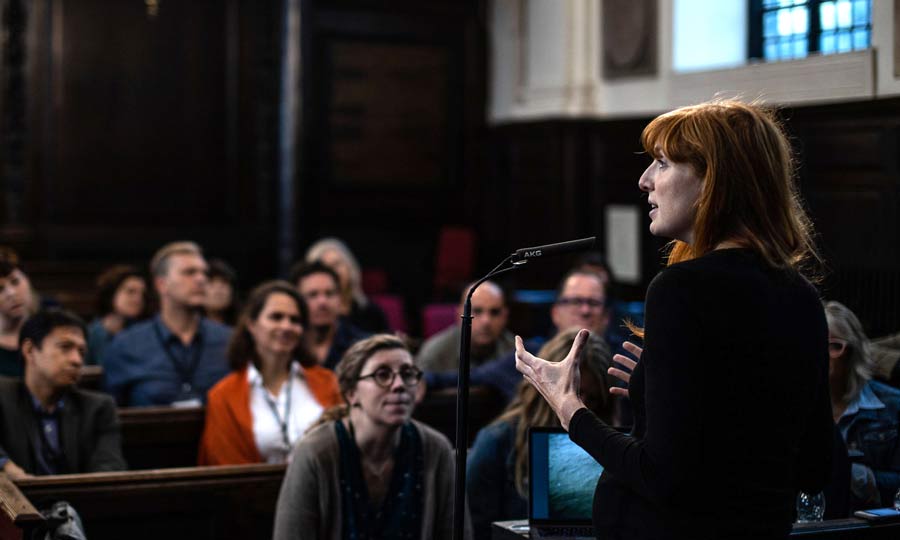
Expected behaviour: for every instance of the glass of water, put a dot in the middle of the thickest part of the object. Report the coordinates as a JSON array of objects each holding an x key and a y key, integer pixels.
[
  {"x": 897, "y": 500},
  {"x": 810, "y": 507}
]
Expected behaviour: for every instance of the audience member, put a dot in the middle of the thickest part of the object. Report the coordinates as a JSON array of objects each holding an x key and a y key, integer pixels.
[
  {"x": 122, "y": 299},
  {"x": 221, "y": 303},
  {"x": 867, "y": 412},
  {"x": 329, "y": 335},
  {"x": 369, "y": 471},
  {"x": 490, "y": 338},
  {"x": 49, "y": 426},
  {"x": 17, "y": 302},
  {"x": 581, "y": 303},
  {"x": 497, "y": 472},
  {"x": 355, "y": 306},
  {"x": 276, "y": 389},
  {"x": 178, "y": 355}
]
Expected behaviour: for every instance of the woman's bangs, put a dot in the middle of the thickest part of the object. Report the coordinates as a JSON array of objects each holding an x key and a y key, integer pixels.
[{"x": 665, "y": 134}]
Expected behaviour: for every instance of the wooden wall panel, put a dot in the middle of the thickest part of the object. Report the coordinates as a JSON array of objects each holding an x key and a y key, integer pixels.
[
  {"x": 393, "y": 125},
  {"x": 145, "y": 127}
]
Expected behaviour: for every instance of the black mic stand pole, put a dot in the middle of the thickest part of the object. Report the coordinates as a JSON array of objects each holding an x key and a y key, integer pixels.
[{"x": 462, "y": 398}]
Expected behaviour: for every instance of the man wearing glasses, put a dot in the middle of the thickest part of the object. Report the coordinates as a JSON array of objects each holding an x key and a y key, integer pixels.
[{"x": 581, "y": 303}]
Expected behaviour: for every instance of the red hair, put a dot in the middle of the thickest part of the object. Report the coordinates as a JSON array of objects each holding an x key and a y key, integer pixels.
[{"x": 749, "y": 196}]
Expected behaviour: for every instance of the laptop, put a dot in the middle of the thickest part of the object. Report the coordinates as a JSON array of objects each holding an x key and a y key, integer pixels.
[{"x": 561, "y": 482}]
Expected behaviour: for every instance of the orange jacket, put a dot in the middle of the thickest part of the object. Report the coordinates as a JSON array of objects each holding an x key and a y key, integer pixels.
[{"x": 228, "y": 433}]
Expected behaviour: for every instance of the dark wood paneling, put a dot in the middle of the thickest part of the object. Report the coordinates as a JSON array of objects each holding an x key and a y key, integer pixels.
[
  {"x": 146, "y": 127},
  {"x": 851, "y": 182},
  {"x": 137, "y": 119},
  {"x": 393, "y": 129},
  {"x": 557, "y": 178}
]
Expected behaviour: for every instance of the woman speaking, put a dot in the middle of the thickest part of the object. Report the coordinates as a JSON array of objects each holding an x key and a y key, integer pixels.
[{"x": 730, "y": 396}]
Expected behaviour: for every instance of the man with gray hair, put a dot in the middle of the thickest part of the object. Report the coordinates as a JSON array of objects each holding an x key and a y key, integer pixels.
[{"x": 178, "y": 355}]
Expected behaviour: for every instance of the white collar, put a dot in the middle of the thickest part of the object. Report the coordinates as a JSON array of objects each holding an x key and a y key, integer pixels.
[{"x": 254, "y": 377}]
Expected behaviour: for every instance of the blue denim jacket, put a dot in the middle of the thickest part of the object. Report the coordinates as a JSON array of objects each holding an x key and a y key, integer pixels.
[{"x": 870, "y": 428}]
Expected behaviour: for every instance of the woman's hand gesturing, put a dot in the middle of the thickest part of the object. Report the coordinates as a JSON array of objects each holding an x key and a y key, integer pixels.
[
  {"x": 624, "y": 376},
  {"x": 557, "y": 382}
]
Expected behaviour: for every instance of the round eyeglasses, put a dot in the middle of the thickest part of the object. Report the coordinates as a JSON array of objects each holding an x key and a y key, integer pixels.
[{"x": 384, "y": 376}]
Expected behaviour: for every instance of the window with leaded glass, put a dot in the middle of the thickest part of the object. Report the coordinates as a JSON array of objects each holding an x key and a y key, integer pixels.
[{"x": 787, "y": 29}]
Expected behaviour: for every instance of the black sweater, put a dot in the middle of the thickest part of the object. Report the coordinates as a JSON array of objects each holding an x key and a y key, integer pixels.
[{"x": 731, "y": 406}]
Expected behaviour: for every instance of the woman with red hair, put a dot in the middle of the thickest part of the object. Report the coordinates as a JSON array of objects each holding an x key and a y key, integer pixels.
[{"x": 732, "y": 414}]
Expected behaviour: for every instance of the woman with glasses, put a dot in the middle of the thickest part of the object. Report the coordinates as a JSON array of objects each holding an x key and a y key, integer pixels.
[
  {"x": 276, "y": 389},
  {"x": 866, "y": 412},
  {"x": 730, "y": 394},
  {"x": 369, "y": 471}
]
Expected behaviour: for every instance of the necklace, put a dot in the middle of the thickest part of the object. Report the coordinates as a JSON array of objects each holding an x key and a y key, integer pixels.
[{"x": 378, "y": 471}]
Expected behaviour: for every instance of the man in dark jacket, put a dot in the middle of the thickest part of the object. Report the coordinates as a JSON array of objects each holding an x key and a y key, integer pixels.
[{"x": 47, "y": 425}]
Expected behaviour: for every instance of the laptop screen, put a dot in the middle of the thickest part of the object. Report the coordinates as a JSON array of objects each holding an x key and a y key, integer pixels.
[{"x": 561, "y": 478}]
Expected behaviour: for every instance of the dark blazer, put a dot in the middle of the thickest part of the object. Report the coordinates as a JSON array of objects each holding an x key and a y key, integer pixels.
[{"x": 89, "y": 429}]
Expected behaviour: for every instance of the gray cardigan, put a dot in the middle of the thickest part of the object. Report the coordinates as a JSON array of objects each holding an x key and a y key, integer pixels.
[{"x": 309, "y": 504}]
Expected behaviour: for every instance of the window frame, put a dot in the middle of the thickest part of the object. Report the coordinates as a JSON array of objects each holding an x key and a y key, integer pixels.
[{"x": 813, "y": 34}]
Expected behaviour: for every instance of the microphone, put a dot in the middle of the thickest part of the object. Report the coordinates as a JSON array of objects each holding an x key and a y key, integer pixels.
[{"x": 523, "y": 255}]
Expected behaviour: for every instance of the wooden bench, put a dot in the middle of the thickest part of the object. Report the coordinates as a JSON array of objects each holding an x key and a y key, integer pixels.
[
  {"x": 18, "y": 516},
  {"x": 161, "y": 437},
  {"x": 231, "y": 502}
]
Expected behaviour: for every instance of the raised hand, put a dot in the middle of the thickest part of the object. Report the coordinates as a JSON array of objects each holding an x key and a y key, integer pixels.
[
  {"x": 624, "y": 376},
  {"x": 557, "y": 382}
]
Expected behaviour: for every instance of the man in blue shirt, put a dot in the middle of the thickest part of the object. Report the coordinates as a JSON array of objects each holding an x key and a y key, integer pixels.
[
  {"x": 47, "y": 425},
  {"x": 178, "y": 355}
]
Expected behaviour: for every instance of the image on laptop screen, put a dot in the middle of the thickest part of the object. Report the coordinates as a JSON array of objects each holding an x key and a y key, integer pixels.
[{"x": 562, "y": 478}]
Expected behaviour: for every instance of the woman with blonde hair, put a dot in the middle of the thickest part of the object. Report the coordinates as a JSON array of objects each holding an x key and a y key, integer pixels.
[
  {"x": 367, "y": 470},
  {"x": 730, "y": 396},
  {"x": 497, "y": 469},
  {"x": 358, "y": 309},
  {"x": 866, "y": 412}
]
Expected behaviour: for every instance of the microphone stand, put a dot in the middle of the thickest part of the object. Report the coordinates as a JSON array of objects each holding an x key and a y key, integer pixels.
[{"x": 462, "y": 396}]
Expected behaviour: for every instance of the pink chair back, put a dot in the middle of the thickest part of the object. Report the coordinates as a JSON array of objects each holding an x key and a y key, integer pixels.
[
  {"x": 392, "y": 305},
  {"x": 436, "y": 317}
]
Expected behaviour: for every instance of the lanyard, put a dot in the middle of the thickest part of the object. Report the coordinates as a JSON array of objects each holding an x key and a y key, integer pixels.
[
  {"x": 185, "y": 372},
  {"x": 282, "y": 422}
]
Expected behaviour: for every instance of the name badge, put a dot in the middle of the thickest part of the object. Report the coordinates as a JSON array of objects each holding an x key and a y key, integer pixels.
[{"x": 187, "y": 403}]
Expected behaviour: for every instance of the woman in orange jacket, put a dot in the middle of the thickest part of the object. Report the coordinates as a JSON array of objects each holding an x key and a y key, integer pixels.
[{"x": 276, "y": 389}]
